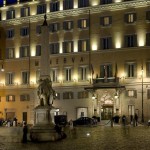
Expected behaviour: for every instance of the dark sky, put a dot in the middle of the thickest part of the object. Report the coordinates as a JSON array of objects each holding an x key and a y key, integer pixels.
[{"x": 8, "y": 2}]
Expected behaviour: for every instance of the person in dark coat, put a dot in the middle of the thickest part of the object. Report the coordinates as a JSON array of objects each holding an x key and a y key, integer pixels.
[
  {"x": 25, "y": 131},
  {"x": 136, "y": 119},
  {"x": 124, "y": 120}
]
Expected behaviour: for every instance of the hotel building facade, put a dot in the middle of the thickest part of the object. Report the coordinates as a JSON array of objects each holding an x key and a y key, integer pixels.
[{"x": 99, "y": 57}]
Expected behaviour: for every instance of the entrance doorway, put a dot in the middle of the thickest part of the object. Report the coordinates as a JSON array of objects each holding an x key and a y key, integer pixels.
[
  {"x": 24, "y": 116},
  {"x": 107, "y": 112}
]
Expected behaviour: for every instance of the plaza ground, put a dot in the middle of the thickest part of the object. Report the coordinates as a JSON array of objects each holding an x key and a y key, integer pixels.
[{"x": 100, "y": 137}]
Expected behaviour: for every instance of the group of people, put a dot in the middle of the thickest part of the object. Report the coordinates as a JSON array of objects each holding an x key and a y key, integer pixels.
[{"x": 133, "y": 120}]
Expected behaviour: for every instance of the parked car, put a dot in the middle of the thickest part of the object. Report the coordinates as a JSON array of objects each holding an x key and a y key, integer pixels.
[{"x": 84, "y": 121}]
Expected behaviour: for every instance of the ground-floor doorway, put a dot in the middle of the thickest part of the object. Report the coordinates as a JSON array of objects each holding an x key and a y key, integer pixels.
[{"x": 107, "y": 112}]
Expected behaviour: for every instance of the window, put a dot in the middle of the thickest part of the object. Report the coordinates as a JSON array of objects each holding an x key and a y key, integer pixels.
[
  {"x": 68, "y": 25},
  {"x": 10, "y": 14},
  {"x": 68, "y": 4},
  {"x": 83, "y": 73},
  {"x": 106, "y": 71},
  {"x": 54, "y": 74},
  {"x": 130, "y": 69},
  {"x": 67, "y": 46},
  {"x": 25, "y": 97},
  {"x": 130, "y": 17},
  {"x": 37, "y": 75},
  {"x": 54, "y": 27},
  {"x": 83, "y": 45},
  {"x": 38, "y": 29},
  {"x": 132, "y": 93},
  {"x": 68, "y": 95},
  {"x": 83, "y": 23},
  {"x": 105, "y": 2},
  {"x": 148, "y": 69},
  {"x": 10, "y": 53},
  {"x": 38, "y": 50},
  {"x": 9, "y": 78},
  {"x": 147, "y": 39},
  {"x": 54, "y": 6},
  {"x": 130, "y": 40},
  {"x": 24, "y": 51},
  {"x": 148, "y": 15},
  {"x": 10, "y": 98},
  {"x": 54, "y": 48},
  {"x": 106, "y": 21},
  {"x": 25, "y": 77},
  {"x": 68, "y": 74},
  {"x": 41, "y": 9},
  {"x": 10, "y": 33},
  {"x": 148, "y": 93},
  {"x": 106, "y": 43},
  {"x": 24, "y": 31},
  {"x": 25, "y": 11},
  {"x": 83, "y": 3},
  {"x": 83, "y": 94}
]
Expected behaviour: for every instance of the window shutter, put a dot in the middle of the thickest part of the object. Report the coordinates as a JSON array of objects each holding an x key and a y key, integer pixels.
[
  {"x": 135, "y": 40},
  {"x": 110, "y": 74},
  {"x": 50, "y": 27},
  {"x": 135, "y": 93},
  {"x": 22, "y": 12},
  {"x": 102, "y": 21},
  {"x": 7, "y": 53},
  {"x": 71, "y": 24},
  {"x": 135, "y": 70},
  {"x": 125, "y": 41},
  {"x": 88, "y": 23},
  {"x": 87, "y": 72},
  {"x": 57, "y": 48},
  {"x": 79, "y": 73},
  {"x": 72, "y": 50},
  {"x": 135, "y": 18},
  {"x": 101, "y": 43},
  {"x": 58, "y": 27},
  {"x": 102, "y": 71},
  {"x": 51, "y": 7},
  {"x": 88, "y": 45},
  {"x": 64, "y": 47},
  {"x": 147, "y": 39},
  {"x": 148, "y": 15},
  {"x": 109, "y": 42},
  {"x": 79, "y": 46},
  {"x": 126, "y": 18},
  {"x": 13, "y": 13},
  {"x": 79, "y": 23},
  {"x": 64, "y": 25},
  {"x": 21, "y": 53}
]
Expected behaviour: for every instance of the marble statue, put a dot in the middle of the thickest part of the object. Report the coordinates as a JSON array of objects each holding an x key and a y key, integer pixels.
[{"x": 45, "y": 92}]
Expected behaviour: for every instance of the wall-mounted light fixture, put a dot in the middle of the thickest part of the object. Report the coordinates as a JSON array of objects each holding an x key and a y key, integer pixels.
[{"x": 2, "y": 69}]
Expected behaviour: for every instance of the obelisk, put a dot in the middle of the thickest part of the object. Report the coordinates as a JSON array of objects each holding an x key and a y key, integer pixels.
[{"x": 43, "y": 129}]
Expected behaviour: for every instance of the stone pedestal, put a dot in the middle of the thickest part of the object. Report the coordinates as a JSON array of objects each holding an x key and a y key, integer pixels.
[{"x": 43, "y": 130}]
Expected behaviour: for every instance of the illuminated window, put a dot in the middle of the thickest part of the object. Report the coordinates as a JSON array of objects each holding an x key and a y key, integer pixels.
[
  {"x": 68, "y": 25},
  {"x": 105, "y": 2},
  {"x": 25, "y": 11},
  {"x": 25, "y": 77},
  {"x": 54, "y": 6},
  {"x": 38, "y": 50},
  {"x": 83, "y": 45},
  {"x": 41, "y": 9},
  {"x": 83, "y": 73},
  {"x": 54, "y": 48},
  {"x": 106, "y": 21},
  {"x": 68, "y": 4},
  {"x": 54, "y": 74},
  {"x": 132, "y": 93},
  {"x": 10, "y": 14},
  {"x": 9, "y": 78},
  {"x": 130, "y": 40},
  {"x": 83, "y": 3},
  {"x": 54, "y": 27},
  {"x": 106, "y": 43},
  {"x": 67, "y": 46},
  {"x": 68, "y": 74},
  {"x": 10, "y": 53},
  {"x": 68, "y": 95},
  {"x": 25, "y": 97},
  {"x": 148, "y": 69},
  {"x": 106, "y": 71},
  {"x": 10, "y": 98},
  {"x": 10, "y": 33},
  {"x": 83, "y": 23},
  {"x": 131, "y": 69},
  {"x": 24, "y": 51},
  {"x": 83, "y": 94},
  {"x": 130, "y": 18},
  {"x": 24, "y": 31}
]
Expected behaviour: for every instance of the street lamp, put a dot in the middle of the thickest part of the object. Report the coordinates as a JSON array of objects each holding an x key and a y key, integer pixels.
[{"x": 142, "y": 95}]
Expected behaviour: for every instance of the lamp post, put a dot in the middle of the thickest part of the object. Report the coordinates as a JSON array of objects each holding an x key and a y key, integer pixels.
[{"x": 142, "y": 95}]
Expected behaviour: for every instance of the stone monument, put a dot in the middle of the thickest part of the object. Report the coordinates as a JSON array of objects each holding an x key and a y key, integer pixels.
[{"x": 43, "y": 129}]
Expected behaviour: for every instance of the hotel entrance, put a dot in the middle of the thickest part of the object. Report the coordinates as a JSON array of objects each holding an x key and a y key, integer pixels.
[{"x": 107, "y": 112}]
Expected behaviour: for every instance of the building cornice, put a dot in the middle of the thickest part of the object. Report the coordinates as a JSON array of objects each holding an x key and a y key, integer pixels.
[{"x": 79, "y": 11}]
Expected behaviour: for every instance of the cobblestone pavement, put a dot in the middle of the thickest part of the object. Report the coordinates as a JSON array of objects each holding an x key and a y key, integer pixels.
[{"x": 85, "y": 138}]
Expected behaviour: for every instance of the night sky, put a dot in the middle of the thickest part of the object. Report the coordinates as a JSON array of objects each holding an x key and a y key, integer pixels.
[{"x": 8, "y": 2}]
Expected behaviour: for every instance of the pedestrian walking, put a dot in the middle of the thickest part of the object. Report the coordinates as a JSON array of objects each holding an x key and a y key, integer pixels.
[
  {"x": 25, "y": 131},
  {"x": 124, "y": 120},
  {"x": 136, "y": 119},
  {"x": 71, "y": 128}
]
